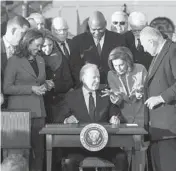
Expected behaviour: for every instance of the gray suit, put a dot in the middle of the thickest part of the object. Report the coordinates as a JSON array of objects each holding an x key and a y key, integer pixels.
[{"x": 161, "y": 80}]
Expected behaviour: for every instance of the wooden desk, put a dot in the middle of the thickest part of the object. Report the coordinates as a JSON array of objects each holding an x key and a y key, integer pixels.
[{"x": 59, "y": 135}]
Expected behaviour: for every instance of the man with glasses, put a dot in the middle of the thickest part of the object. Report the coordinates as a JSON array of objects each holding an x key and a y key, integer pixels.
[
  {"x": 60, "y": 31},
  {"x": 119, "y": 22},
  {"x": 94, "y": 47}
]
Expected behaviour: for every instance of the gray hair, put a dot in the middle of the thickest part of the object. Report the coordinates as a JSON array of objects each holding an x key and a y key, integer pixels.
[
  {"x": 151, "y": 33},
  {"x": 85, "y": 68}
]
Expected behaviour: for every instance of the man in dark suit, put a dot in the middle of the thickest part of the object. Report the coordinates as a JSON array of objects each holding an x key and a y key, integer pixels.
[
  {"x": 15, "y": 28},
  {"x": 86, "y": 105},
  {"x": 60, "y": 30},
  {"x": 160, "y": 98},
  {"x": 137, "y": 22},
  {"x": 94, "y": 47}
]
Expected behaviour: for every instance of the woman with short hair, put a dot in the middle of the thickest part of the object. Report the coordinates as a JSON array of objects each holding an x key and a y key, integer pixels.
[{"x": 126, "y": 81}]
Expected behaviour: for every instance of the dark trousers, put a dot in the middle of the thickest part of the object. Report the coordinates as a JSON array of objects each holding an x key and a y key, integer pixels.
[
  {"x": 163, "y": 155},
  {"x": 115, "y": 155},
  {"x": 37, "y": 143}
]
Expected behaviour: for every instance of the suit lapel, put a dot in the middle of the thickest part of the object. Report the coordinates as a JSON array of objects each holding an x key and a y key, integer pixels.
[
  {"x": 3, "y": 55},
  {"x": 41, "y": 67},
  {"x": 27, "y": 66},
  {"x": 92, "y": 43},
  {"x": 82, "y": 103},
  {"x": 159, "y": 59},
  {"x": 106, "y": 41}
]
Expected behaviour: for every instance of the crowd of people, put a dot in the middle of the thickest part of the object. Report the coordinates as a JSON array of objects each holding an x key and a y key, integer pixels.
[{"x": 98, "y": 76}]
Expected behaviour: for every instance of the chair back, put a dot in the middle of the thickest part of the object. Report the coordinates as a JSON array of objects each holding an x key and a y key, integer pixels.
[{"x": 15, "y": 129}]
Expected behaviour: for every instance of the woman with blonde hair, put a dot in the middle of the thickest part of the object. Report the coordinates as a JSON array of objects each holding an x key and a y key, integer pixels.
[{"x": 126, "y": 81}]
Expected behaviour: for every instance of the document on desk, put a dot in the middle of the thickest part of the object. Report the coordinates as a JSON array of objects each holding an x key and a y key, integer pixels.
[{"x": 132, "y": 124}]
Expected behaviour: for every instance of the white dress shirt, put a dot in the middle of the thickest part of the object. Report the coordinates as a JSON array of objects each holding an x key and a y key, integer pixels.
[
  {"x": 86, "y": 97},
  {"x": 101, "y": 41}
]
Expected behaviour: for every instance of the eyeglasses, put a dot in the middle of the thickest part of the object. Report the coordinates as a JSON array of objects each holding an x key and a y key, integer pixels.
[{"x": 122, "y": 23}]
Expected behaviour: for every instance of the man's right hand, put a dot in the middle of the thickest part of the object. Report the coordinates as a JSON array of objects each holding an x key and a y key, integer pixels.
[{"x": 71, "y": 120}]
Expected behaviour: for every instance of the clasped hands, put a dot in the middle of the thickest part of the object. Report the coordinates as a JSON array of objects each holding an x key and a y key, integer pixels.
[
  {"x": 40, "y": 90},
  {"x": 73, "y": 120}
]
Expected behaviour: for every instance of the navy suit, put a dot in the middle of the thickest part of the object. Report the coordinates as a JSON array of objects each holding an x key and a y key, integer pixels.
[{"x": 74, "y": 104}]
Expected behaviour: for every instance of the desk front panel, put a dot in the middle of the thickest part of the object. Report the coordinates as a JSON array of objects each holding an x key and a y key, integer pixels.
[{"x": 74, "y": 141}]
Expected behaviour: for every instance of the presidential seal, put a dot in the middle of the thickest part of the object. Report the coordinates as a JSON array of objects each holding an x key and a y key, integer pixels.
[{"x": 94, "y": 137}]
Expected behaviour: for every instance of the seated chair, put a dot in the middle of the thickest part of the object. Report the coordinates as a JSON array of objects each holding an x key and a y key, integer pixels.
[{"x": 15, "y": 132}]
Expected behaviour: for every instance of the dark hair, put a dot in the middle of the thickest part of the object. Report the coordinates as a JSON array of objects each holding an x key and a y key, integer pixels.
[
  {"x": 19, "y": 20},
  {"x": 27, "y": 38},
  {"x": 122, "y": 53},
  {"x": 48, "y": 35}
]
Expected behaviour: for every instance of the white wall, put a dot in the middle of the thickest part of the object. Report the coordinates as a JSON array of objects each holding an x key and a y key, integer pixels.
[{"x": 85, "y": 8}]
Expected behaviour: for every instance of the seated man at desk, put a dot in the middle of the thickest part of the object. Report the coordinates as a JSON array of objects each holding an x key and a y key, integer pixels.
[{"x": 86, "y": 105}]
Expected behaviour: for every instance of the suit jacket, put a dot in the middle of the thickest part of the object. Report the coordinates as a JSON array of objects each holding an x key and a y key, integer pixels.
[
  {"x": 74, "y": 104},
  {"x": 162, "y": 81},
  {"x": 131, "y": 108},
  {"x": 57, "y": 69},
  {"x": 139, "y": 56},
  {"x": 3, "y": 66},
  {"x": 84, "y": 50},
  {"x": 18, "y": 81}
]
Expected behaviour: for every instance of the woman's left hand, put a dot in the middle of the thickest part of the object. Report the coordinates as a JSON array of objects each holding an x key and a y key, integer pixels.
[{"x": 49, "y": 84}]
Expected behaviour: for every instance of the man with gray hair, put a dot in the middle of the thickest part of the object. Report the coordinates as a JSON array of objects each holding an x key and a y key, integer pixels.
[
  {"x": 119, "y": 22},
  {"x": 59, "y": 29},
  {"x": 160, "y": 98},
  {"x": 90, "y": 106}
]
